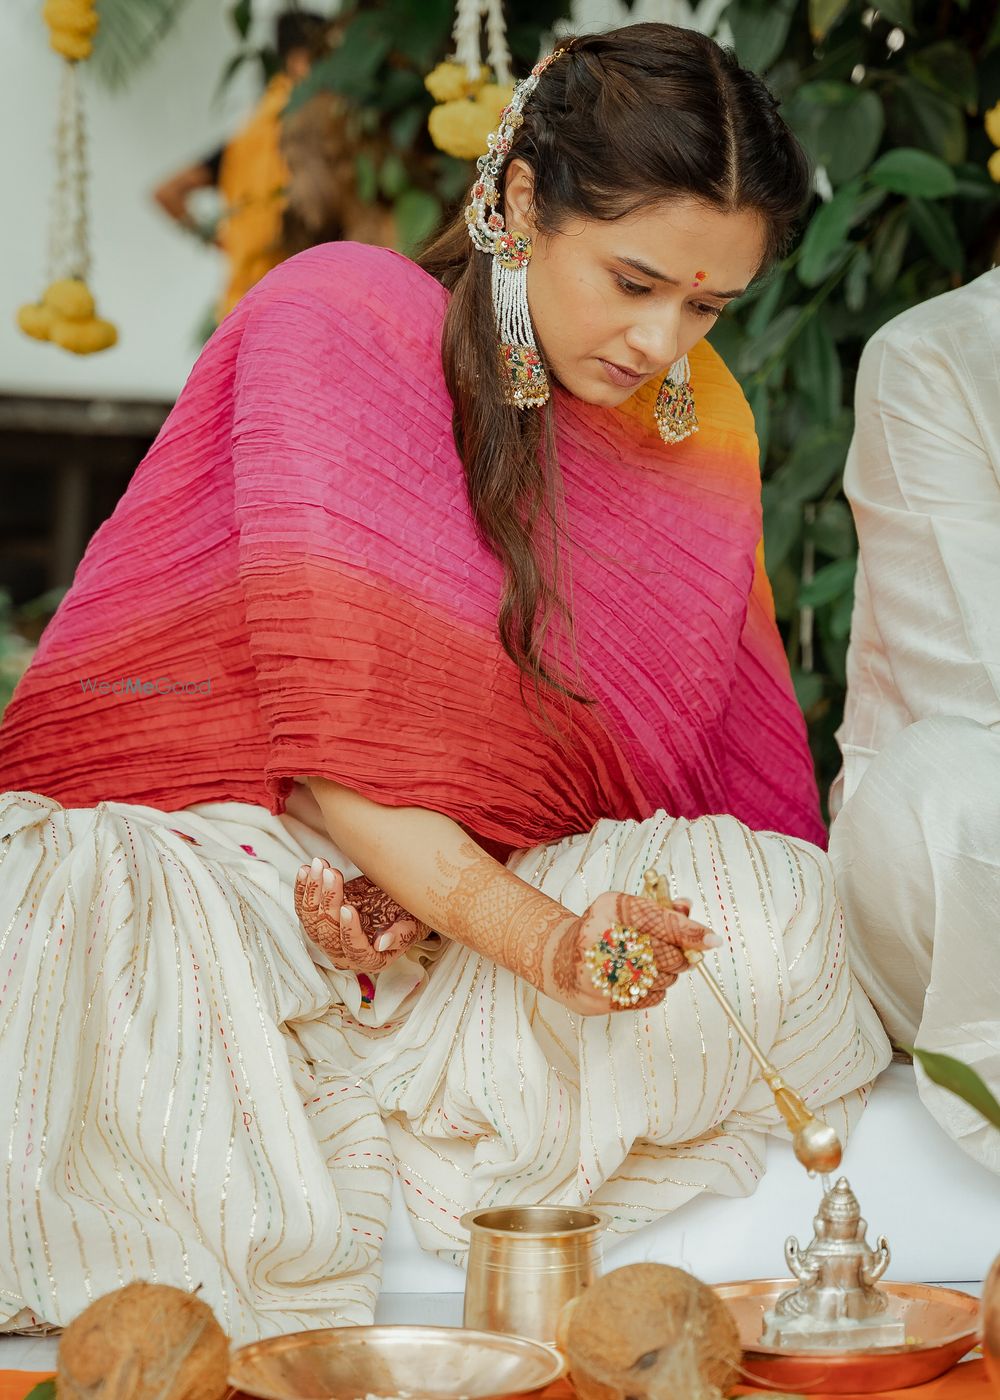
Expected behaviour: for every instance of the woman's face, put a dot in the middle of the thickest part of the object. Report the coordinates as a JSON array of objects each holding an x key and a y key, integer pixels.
[{"x": 616, "y": 303}]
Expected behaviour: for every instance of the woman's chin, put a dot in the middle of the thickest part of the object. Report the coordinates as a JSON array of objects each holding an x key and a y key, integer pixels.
[{"x": 598, "y": 390}]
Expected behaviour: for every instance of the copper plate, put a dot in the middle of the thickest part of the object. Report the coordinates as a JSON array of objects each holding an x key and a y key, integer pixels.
[
  {"x": 941, "y": 1321},
  {"x": 432, "y": 1363}
]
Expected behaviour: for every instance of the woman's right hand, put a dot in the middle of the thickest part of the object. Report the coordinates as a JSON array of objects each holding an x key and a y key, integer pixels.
[{"x": 671, "y": 933}]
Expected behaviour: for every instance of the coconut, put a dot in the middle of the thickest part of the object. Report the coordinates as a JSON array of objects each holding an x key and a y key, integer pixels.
[
  {"x": 143, "y": 1341},
  {"x": 650, "y": 1332}
]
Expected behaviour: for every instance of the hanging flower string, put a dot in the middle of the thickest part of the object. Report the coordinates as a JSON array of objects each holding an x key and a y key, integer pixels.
[
  {"x": 469, "y": 103},
  {"x": 66, "y": 313}
]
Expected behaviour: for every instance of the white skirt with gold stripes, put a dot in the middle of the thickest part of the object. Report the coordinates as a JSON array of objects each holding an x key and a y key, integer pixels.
[{"x": 189, "y": 1097}]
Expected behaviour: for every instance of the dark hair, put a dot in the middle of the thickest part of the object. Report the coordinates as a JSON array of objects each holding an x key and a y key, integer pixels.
[
  {"x": 301, "y": 29},
  {"x": 620, "y": 121}
]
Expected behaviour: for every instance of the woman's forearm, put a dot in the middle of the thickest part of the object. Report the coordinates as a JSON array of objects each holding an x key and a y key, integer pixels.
[{"x": 431, "y": 867}]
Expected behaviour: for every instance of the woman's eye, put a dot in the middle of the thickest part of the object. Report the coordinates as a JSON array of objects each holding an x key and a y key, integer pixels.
[
  {"x": 704, "y": 309},
  {"x": 633, "y": 289}
]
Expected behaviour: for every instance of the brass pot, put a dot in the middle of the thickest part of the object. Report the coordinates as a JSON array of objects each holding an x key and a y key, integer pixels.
[
  {"x": 526, "y": 1263},
  {"x": 990, "y": 1319}
]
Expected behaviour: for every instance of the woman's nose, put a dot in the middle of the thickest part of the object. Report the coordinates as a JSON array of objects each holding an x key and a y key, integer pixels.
[{"x": 655, "y": 340}]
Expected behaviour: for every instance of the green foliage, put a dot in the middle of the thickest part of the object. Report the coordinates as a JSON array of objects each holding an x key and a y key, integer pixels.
[
  {"x": 129, "y": 34},
  {"x": 387, "y": 48},
  {"x": 959, "y": 1079},
  {"x": 910, "y": 213}
]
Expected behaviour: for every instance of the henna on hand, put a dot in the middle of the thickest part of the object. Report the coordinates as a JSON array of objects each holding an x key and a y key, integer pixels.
[{"x": 349, "y": 921}]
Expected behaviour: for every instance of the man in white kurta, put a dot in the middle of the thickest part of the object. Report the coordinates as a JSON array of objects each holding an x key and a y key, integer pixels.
[{"x": 916, "y": 835}]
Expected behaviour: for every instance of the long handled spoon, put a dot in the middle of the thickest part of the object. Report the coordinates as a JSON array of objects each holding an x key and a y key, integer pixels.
[{"x": 814, "y": 1142}]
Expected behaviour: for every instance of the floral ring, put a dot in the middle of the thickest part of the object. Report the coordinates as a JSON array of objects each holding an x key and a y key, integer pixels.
[{"x": 621, "y": 963}]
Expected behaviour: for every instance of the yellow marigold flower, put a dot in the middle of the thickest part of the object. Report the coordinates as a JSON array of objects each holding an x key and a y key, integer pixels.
[
  {"x": 35, "y": 320},
  {"x": 494, "y": 98},
  {"x": 993, "y": 166},
  {"x": 450, "y": 81},
  {"x": 992, "y": 123},
  {"x": 75, "y": 15},
  {"x": 84, "y": 337},
  {"x": 70, "y": 299},
  {"x": 461, "y": 128}
]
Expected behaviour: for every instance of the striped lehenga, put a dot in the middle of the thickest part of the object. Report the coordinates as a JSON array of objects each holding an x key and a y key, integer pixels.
[{"x": 190, "y": 1097}]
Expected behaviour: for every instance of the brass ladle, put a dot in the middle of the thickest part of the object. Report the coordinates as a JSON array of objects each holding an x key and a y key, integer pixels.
[{"x": 814, "y": 1142}]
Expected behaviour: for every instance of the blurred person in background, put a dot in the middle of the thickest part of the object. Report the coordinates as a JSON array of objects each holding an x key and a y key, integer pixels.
[{"x": 251, "y": 171}]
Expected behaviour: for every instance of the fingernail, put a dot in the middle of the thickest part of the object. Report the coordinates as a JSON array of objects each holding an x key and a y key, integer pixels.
[
  {"x": 317, "y": 865},
  {"x": 303, "y": 872},
  {"x": 345, "y": 913},
  {"x": 384, "y": 943},
  {"x": 711, "y": 940},
  {"x": 328, "y": 879}
]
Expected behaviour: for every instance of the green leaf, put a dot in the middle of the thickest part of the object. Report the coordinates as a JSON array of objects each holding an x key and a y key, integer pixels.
[
  {"x": 129, "y": 35},
  {"x": 856, "y": 281},
  {"x": 241, "y": 15},
  {"x": 921, "y": 118},
  {"x": 392, "y": 176},
  {"x": 366, "y": 178},
  {"x": 898, "y": 12},
  {"x": 823, "y": 15},
  {"x": 959, "y": 1079},
  {"x": 948, "y": 69},
  {"x": 808, "y": 688},
  {"x": 782, "y": 527},
  {"x": 757, "y": 351},
  {"x": 832, "y": 532},
  {"x": 888, "y": 247},
  {"x": 767, "y": 304},
  {"x": 417, "y": 216},
  {"x": 816, "y": 460},
  {"x": 827, "y": 234},
  {"x": 44, "y": 1390},
  {"x": 816, "y": 370},
  {"x": 909, "y": 171},
  {"x": 933, "y": 224},
  {"x": 759, "y": 400},
  {"x": 829, "y": 583},
  {"x": 759, "y": 28},
  {"x": 839, "y": 124}
]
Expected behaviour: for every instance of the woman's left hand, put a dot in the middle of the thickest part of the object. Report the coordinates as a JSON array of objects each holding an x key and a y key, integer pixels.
[{"x": 357, "y": 925}]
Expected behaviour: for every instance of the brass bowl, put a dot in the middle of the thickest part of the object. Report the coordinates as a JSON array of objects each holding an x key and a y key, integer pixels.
[
  {"x": 432, "y": 1363},
  {"x": 941, "y": 1321}
]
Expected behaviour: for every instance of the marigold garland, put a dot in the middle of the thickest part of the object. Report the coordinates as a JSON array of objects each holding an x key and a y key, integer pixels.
[{"x": 66, "y": 313}]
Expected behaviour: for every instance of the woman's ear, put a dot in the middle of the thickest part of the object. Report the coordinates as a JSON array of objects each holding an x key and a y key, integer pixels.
[{"x": 518, "y": 198}]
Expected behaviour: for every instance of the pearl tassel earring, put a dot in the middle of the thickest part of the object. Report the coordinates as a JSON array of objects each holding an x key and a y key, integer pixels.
[{"x": 524, "y": 379}]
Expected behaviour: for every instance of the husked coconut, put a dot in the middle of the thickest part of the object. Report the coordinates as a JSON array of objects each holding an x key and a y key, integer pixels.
[
  {"x": 650, "y": 1332},
  {"x": 146, "y": 1341}
]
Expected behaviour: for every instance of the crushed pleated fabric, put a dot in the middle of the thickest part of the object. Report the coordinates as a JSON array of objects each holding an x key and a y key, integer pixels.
[
  {"x": 198, "y": 1103},
  {"x": 293, "y": 585}
]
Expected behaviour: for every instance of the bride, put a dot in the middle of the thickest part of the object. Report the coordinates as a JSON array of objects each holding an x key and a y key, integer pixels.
[{"x": 329, "y": 793}]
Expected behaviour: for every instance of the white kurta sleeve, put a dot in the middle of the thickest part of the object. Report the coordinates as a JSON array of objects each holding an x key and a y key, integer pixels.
[{"x": 923, "y": 479}]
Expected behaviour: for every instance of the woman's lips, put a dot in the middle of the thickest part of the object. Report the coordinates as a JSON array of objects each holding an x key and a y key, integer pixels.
[{"x": 624, "y": 378}]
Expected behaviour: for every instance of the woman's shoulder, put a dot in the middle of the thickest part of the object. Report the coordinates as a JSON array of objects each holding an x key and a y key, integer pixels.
[
  {"x": 367, "y": 290},
  {"x": 722, "y": 400}
]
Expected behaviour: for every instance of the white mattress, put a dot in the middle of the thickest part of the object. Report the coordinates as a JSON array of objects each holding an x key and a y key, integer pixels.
[{"x": 939, "y": 1210}]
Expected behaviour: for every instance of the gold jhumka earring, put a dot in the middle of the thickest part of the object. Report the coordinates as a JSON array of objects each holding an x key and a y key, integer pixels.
[{"x": 674, "y": 409}]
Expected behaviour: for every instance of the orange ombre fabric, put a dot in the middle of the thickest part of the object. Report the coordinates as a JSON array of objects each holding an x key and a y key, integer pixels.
[{"x": 298, "y": 543}]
